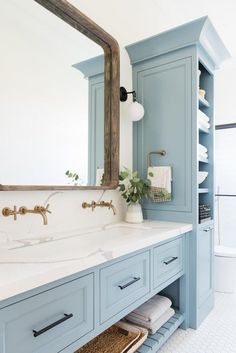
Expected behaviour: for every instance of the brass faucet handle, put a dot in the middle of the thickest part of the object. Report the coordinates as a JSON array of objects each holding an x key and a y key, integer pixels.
[
  {"x": 23, "y": 210},
  {"x": 84, "y": 205},
  {"x": 94, "y": 204},
  {"x": 47, "y": 208},
  {"x": 6, "y": 211},
  {"x": 40, "y": 209}
]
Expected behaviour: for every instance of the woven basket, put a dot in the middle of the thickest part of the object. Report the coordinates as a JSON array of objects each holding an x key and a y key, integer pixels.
[{"x": 119, "y": 338}]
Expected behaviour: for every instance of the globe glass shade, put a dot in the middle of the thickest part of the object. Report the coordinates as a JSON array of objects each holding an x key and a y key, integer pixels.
[{"x": 136, "y": 111}]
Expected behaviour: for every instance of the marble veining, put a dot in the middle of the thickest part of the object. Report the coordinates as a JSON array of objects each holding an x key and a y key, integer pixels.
[{"x": 28, "y": 267}]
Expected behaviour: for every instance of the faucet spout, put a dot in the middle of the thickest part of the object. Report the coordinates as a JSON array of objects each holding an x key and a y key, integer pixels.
[
  {"x": 45, "y": 219},
  {"x": 43, "y": 212},
  {"x": 113, "y": 209}
]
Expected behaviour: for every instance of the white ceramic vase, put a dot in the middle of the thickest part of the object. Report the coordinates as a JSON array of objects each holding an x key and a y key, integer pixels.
[{"x": 134, "y": 213}]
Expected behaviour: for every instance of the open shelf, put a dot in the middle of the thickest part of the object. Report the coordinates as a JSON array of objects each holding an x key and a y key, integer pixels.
[
  {"x": 203, "y": 190},
  {"x": 154, "y": 342},
  {"x": 203, "y": 160},
  {"x": 203, "y": 102},
  {"x": 204, "y": 130}
]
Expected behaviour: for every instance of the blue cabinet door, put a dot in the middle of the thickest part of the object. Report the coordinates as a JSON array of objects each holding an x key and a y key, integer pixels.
[
  {"x": 165, "y": 91},
  {"x": 96, "y": 127},
  {"x": 205, "y": 286}
]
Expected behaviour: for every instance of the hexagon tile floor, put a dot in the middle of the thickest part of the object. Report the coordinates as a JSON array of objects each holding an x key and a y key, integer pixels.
[{"x": 217, "y": 334}]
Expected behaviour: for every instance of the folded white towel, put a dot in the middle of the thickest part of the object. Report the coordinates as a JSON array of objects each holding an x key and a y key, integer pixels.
[
  {"x": 204, "y": 125},
  {"x": 203, "y": 116},
  {"x": 203, "y": 156},
  {"x": 156, "y": 325},
  {"x": 202, "y": 119},
  {"x": 202, "y": 149},
  {"x": 152, "y": 309},
  {"x": 160, "y": 178}
]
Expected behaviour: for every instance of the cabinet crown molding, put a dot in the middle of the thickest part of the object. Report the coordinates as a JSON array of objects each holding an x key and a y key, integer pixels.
[{"x": 200, "y": 32}]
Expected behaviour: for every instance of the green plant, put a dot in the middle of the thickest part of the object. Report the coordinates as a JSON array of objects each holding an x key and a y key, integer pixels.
[
  {"x": 132, "y": 187},
  {"x": 73, "y": 177}
]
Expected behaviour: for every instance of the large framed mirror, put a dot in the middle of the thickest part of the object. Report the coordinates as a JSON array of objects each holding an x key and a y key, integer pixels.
[{"x": 59, "y": 99}]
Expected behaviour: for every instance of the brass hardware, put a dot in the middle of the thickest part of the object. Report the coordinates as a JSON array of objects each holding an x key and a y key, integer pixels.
[
  {"x": 8, "y": 212},
  {"x": 24, "y": 210},
  {"x": 161, "y": 153},
  {"x": 95, "y": 204}
]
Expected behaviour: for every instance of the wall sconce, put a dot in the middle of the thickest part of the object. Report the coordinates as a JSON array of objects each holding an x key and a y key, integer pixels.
[{"x": 136, "y": 109}]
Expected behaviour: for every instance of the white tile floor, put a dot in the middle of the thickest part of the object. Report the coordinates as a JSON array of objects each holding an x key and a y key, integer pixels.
[{"x": 217, "y": 334}]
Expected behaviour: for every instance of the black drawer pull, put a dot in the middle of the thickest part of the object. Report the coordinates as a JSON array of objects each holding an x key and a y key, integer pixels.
[
  {"x": 49, "y": 327},
  {"x": 135, "y": 279},
  {"x": 171, "y": 260}
]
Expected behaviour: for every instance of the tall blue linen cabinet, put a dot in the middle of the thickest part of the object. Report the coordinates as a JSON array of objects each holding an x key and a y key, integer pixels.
[{"x": 166, "y": 80}]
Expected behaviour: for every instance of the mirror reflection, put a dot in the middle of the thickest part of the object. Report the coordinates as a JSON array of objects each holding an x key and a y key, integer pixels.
[{"x": 51, "y": 100}]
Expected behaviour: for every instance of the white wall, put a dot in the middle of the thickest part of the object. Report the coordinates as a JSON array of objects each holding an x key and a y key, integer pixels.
[{"x": 127, "y": 21}]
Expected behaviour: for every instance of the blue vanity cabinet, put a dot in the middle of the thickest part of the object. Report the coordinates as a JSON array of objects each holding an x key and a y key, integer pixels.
[
  {"x": 64, "y": 315},
  {"x": 122, "y": 284},
  {"x": 168, "y": 261},
  {"x": 49, "y": 321},
  {"x": 93, "y": 70},
  {"x": 166, "y": 79},
  {"x": 205, "y": 271}
]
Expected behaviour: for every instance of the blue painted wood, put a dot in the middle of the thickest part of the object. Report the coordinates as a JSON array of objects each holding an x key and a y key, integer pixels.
[
  {"x": 40, "y": 306},
  {"x": 165, "y": 76},
  {"x": 205, "y": 264},
  {"x": 199, "y": 32},
  {"x": 20, "y": 320},
  {"x": 156, "y": 341},
  {"x": 91, "y": 67},
  {"x": 122, "y": 284},
  {"x": 168, "y": 261},
  {"x": 95, "y": 127},
  {"x": 93, "y": 70},
  {"x": 164, "y": 116}
]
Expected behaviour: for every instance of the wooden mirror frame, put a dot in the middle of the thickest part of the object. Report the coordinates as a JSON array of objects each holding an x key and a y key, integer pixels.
[{"x": 85, "y": 25}]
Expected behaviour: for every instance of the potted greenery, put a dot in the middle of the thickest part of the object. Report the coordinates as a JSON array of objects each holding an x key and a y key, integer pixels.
[{"x": 133, "y": 189}]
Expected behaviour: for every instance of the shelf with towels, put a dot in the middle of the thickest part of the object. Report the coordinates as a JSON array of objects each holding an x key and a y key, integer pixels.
[
  {"x": 203, "y": 130},
  {"x": 203, "y": 160},
  {"x": 154, "y": 342},
  {"x": 203, "y": 102},
  {"x": 203, "y": 190}
]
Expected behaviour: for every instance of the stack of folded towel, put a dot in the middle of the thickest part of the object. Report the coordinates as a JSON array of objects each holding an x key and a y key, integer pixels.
[
  {"x": 153, "y": 314},
  {"x": 203, "y": 120},
  {"x": 202, "y": 152}
]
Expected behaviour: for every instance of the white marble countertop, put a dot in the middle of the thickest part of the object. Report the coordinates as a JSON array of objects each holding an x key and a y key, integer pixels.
[{"x": 32, "y": 264}]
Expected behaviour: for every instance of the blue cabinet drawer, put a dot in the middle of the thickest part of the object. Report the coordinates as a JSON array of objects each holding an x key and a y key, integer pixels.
[
  {"x": 49, "y": 321},
  {"x": 123, "y": 283},
  {"x": 168, "y": 261}
]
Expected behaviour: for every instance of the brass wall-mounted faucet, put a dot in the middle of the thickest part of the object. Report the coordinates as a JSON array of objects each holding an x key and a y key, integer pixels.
[
  {"x": 95, "y": 204},
  {"x": 24, "y": 210}
]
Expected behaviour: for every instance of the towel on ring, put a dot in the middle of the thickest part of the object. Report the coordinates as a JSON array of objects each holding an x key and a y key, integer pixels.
[
  {"x": 156, "y": 325},
  {"x": 150, "y": 311},
  {"x": 160, "y": 178}
]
